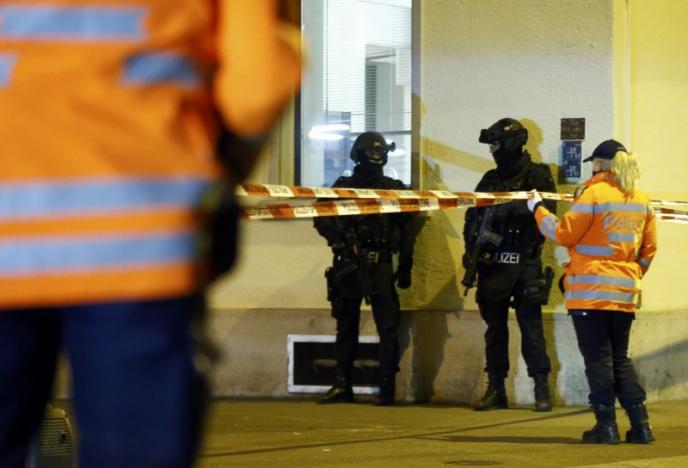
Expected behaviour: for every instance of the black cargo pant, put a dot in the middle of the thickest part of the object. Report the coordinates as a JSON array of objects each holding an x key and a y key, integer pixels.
[
  {"x": 495, "y": 313},
  {"x": 603, "y": 341},
  {"x": 386, "y": 314}
]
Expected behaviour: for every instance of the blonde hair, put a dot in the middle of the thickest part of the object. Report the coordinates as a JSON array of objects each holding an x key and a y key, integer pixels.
[{"x": 626, "y": 170}]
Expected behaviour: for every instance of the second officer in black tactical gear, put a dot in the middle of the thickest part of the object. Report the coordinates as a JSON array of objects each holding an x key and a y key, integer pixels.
[
  {"x": 362, "y": 268},
  {"x": 503, "y": 248}
]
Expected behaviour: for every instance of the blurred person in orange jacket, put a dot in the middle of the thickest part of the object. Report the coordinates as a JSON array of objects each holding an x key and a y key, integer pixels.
[
  {"x": 611, "y": 238},
  {"x": 111, "y": 115}
]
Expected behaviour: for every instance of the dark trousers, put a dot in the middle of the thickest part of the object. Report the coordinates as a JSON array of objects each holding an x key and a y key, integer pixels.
[
  {"x": 386, "y": 314},
  {"x": 603, "y": 342},
  {"x": 137, "y": 396},
  {"x": 529, "y": 316}
]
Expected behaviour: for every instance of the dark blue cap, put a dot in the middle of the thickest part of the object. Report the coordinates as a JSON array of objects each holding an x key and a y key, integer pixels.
[{"x": 606, "y": 150}]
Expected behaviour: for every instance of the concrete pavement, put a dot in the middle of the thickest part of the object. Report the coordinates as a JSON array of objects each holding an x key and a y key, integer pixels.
[{"x": 248, "y": 433}]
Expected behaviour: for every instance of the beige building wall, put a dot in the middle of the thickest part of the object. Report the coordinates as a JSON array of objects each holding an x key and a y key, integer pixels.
[
  {"x": 657, "y": 84},
  {"x": 658, "y": 101},
  {"x": 620, "y": 65}
]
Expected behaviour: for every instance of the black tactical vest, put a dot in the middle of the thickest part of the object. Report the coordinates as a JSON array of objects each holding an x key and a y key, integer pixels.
[{"x": 520, "y": 241}]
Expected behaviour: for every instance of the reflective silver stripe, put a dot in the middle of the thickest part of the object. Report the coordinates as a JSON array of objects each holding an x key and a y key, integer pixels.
[
  {"x": 645, "y": 262},
  {"x": 620, "y": 207},
  {"x": 582, "y": 208},
  {"x": 549, "y": 224},
  {"x": 625, "y": 298},
  {"x": 598, "y": 250},
  {"x": 621, "y": 237},
  {"x": 550, "y": 231},
  {"x": 52, "y": 199},
  {"x": 49, "y": 255},
  {"x": 73, "y": 23},
  {"x": 602, "y": 280},
  {"x": 163, "y": 67},
  {"x": 7, "y": 62}
]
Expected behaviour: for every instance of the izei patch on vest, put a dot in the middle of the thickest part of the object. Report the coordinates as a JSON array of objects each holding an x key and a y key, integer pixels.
[{"x": 509, "y": 258}]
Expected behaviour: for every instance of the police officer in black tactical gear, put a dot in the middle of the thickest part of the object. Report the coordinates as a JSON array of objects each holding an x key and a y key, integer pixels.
[
  {"x": 362, "y": 267},
  {"x": 503, "y": 247}
]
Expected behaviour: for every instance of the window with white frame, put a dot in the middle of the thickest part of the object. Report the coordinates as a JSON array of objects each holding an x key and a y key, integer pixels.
[{"x": 358, "y": 78}]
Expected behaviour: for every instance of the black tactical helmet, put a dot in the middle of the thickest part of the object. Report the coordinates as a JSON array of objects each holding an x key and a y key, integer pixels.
[
  {"x": 509, "y": 133},
  {"x": 371, "y": 147}
]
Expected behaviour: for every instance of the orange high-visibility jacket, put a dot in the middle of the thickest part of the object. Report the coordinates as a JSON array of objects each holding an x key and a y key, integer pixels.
[
  {"x": 611, "y": 239},
  {"x": 109, "y": 113}
]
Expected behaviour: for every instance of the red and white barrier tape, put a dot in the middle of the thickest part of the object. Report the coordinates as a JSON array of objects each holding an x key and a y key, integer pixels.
[
  {"x": 676, "y": 216},
  {"x": 352, "y": 201},
  {"x": 284, "y": 191},
  {"x": 358, "y": 207}
]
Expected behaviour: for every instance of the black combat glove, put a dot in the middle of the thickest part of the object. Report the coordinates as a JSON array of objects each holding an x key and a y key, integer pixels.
[
  {"x": 403, "y": 277},
  {"x": 467, "y": 261}
]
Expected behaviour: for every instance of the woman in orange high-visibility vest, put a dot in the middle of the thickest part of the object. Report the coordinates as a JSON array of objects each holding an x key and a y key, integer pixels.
[
  {"x": 611, "y": 237},
  {"x": 110, "y": 116}
]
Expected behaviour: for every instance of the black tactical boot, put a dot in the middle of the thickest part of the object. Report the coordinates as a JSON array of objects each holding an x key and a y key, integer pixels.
[
  {"x": 543, "y": 400},
  {"x": 605, "y": 431},
  {"x": 494, "y": 398},
  {"x": 641, "y": 431},
  {"x": 387, "y": 389},
  {"x": 341, "y": 391}
]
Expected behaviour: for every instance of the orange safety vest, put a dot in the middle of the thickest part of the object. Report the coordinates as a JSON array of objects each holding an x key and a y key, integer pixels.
[
  {"x": 109, "y": 113},
  {"x": 611, "y": 239}
]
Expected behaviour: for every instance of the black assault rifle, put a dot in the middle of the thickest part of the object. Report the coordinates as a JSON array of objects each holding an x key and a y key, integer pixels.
[{"x": 484, "y": 236}]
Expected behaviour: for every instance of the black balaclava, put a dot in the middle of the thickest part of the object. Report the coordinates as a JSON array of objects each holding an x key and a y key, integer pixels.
[
  {"x": 510, "y": 163},
  {"x": 367, "y": 170},
  {"x": 511, "y": 136},
  {"x": 369, "y": 152}
]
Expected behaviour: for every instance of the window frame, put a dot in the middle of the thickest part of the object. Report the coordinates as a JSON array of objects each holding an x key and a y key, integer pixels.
[{"x": 295, "y": 115}]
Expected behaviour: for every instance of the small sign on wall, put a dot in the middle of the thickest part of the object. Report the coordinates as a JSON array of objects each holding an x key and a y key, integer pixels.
[
  {"x": 572, "y": 135},
  {"x": 573, "y": 129},
  {"x": 571, "y": 157}
]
